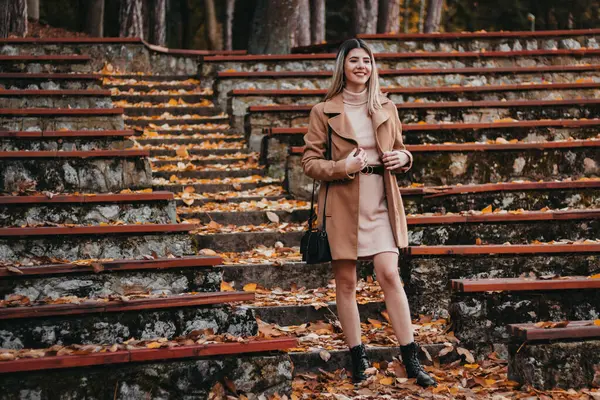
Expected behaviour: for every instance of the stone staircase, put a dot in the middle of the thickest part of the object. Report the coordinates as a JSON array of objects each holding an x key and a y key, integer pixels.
[{"x": 102, "y": 292}]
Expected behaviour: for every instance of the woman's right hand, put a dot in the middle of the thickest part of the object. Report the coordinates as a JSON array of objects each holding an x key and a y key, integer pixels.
[{"x": 356, "y": 161}]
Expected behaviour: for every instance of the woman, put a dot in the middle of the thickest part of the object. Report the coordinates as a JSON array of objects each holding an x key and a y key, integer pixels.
[{"x": 364, "y": 210}]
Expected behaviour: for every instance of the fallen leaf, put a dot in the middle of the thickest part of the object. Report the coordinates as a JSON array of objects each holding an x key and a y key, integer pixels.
[
  {"x": 325, "y": 355},
  {"x": 14, "y": 269},
  {"x": 226, "y": 287},
  {"x": 249, "y": 287},
  {"x": 273, "y": 217}
]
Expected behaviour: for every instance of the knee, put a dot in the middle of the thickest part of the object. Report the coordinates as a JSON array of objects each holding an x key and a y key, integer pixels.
[
  {"x": 346, "y": 285},
  {"x": 389, "y": 278}
]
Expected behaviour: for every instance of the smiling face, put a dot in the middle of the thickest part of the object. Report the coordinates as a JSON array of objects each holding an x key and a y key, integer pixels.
[{"x": 357, "y": 69}]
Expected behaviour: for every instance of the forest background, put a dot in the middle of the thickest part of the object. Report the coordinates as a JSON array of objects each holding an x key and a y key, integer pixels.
[{"x": 274, "y": 26}]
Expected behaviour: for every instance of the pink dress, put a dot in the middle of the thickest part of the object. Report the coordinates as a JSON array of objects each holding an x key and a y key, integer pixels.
[{"x": 374, "y": 229}]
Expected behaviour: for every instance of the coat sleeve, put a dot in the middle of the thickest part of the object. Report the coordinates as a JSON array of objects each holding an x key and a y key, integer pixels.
[
  {"x": 314, "y": 163},
  {"x": 399, "y": 146}
]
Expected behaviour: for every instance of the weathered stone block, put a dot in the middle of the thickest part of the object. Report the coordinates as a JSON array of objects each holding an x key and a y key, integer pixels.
[
  {"x": 117, "y": 327},
  {"x": 114, "y": 283},
  {"x": 71, "y": 248},
  {"x": 65, "y": 144},
  {"x": 252, "y": 375},
  {"x": 96, "y": 175},
  {"x": 562, "y": 365},
  {"x": 54, "y": 123},
  {"x": 88, "y": 214}
]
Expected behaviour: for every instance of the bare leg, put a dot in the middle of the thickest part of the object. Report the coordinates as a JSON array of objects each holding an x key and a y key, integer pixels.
[
  {"x": 386, "y": 268},
  {"x": 345, "y": 292}
]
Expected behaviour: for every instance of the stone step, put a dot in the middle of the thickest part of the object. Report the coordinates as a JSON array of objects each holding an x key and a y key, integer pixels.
[
  {"x": 428, "y": 76},
  {"x": 106, "y": 321},
  {"x": 185, "y": 370},
  {"x": 271, "y": 192},
  {"x": 312, "y": 362},
  {"x": 101, "y": 242},
  {"x": 29, "y": 98},
  {"x": 242, "y": 99},
  {"x": 444, "y": 112},
  {"x": 92, "y": 209},
  {"x": 187, "y": 96},
  {"x": 469, "y": 41},
  {"x": 574, "y": 329},
  {"x": 209, "y": 174},
  {"x": 204, "y": 161},
  {"x": 46, "y": 81},
  {"x": 432, "y": 230},
  {"x": 84, "y": 140},
  {"x": 184, "y": 139},
  {"x": 564, "y": 364},
  {"x": 97, "y": 278},
  {"x": 451, "y": 164},
  {"x": 480, "y": 318},
  {"x": 96, "y": 171},
  {"x": 54, "y": 119},
  {"x": 156, "y": 151},
  {"x": 199, "y": 201},
  {"x": 44, "y": 63},
  {"x": 214, "y": 186},
  {"x": 241, "y": 218},
  {"x": 174, "y": 120},
  {"x": 157, "y": 111}
]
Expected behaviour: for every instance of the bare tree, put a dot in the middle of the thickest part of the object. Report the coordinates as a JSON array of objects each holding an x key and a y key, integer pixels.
[
  {"x": 303, "y": 18},
  {"x": 159, "y": 23},
  {"x": 434, "y": 16},
  {"x": 317, "y": 21},
  {"x": 406, "y": 16},
  {"x": 131, "y": 19},
  {"x": 365, "y": 16},
  {"x": 228, "y": 29},
  {"x": 18, "y": 17},
  {"x": 95, "y": 18},
  {"x": 33, "y": 10},
  {"x": 212, "y": 31},
  {"x": 389, "y": 16},
  {"x": 421, "y": 16},
  {"x": 273, "y": 26}
]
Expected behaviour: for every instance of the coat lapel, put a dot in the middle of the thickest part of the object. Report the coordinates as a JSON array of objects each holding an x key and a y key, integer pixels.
[{"x": 340, "y": 122}]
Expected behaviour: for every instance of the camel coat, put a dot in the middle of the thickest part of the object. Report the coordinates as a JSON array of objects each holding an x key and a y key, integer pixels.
[{"x": 341, "y": 210}]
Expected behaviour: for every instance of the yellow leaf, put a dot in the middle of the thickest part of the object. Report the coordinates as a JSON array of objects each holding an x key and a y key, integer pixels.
[
  {"x": 250, "y": 287},
  {"x": 153, "y": 345},
  {"x": 226, "y": 287},
  {"x": 597, "y": 322},
  {"x": 386, "y": 381},
  {"x": 472, "y": 366},
  {"x": 182, "y": 152},
  {"x": 375, "y": 323},
  {"x": 172, "y": 102},
  {"x": 487, "y": 210},
  {"x": 595, "y": 276}
]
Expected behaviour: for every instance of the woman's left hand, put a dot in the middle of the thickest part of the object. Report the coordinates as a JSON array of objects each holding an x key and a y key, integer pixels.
[{"x": 394, "y": 159}]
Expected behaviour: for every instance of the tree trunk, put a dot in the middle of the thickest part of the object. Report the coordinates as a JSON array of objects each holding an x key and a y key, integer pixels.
[
  {"x": 273, "y": 26},
  {"x": 421, "y": 16},
  {"x": 317, "y": 21},
  {"x": 159, "y": 23},
  {"x": 406, "y": 16},
  {"x": 212, "y": 31},
  {"x": 95, "y": 18},
  {"x": 33, "y": 10},
  {"x": 18, "y": 18},
  {"x": 228, "y": 29},
  {"x": 365, "y": 16},
  {"x": 434, "y": 16},
  {"x": 303, "y": 23},
  {"x": 389, "y": 16},
  {"x": 4, "y": 18},
  {"x": 131, "y": 19}
]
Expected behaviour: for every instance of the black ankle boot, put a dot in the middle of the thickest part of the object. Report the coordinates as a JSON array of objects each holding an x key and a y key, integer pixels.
[
  {"x": 410, "y": 358},
  {"x": 359, "y": 363}
]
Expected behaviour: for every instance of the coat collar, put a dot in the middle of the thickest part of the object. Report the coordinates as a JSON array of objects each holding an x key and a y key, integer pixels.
[{"x": 340, "y": 122}]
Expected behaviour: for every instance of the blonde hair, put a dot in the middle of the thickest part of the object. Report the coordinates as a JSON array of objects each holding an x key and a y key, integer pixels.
[{"x": 339, "y": 77}]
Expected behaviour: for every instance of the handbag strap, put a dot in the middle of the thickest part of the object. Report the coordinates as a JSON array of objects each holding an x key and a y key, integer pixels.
[{"x": 313, "y": 215}]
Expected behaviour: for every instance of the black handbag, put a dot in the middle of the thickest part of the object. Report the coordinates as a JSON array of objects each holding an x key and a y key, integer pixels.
[{"x": 314, "y": 245}]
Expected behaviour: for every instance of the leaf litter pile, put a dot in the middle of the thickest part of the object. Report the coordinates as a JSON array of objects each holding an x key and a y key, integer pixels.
[
  {"x": 262, "y": 205},
  {"x": 215, "y": 181}
]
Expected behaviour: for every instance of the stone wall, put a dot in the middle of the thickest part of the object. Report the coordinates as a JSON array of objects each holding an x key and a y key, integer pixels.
[{"x": 55, "y": 123}]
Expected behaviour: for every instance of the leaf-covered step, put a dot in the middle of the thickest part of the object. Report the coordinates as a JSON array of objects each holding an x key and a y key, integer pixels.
[
  {"x": 169, "y": 119},
  {"x": 189, "y": 196},
  {"x": 184, "y": 139},
  {"x": 242, "y": 217},
  {"x": 205, "y": 160},
  {"x": 91, "y": 278},
  {"x": 196, "y": 150},
  {"x": 150, "y": 109},
  {"x": 92, "y": 209},
  {"x": 244, "y": 237},
  {"x": 119, "y": 319},
  {"x": 218, "y": 185},
  {"x": 187, "y": 370},
  {"x": 207, "y": 173}
]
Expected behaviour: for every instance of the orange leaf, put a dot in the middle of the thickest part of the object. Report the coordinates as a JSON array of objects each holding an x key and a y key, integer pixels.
[
  {"x": 226, "y": 287},
  {"x": 153, "y": 345},
  {"x": 487, "y": 210},
  {"x": 250, "y": 287}
]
